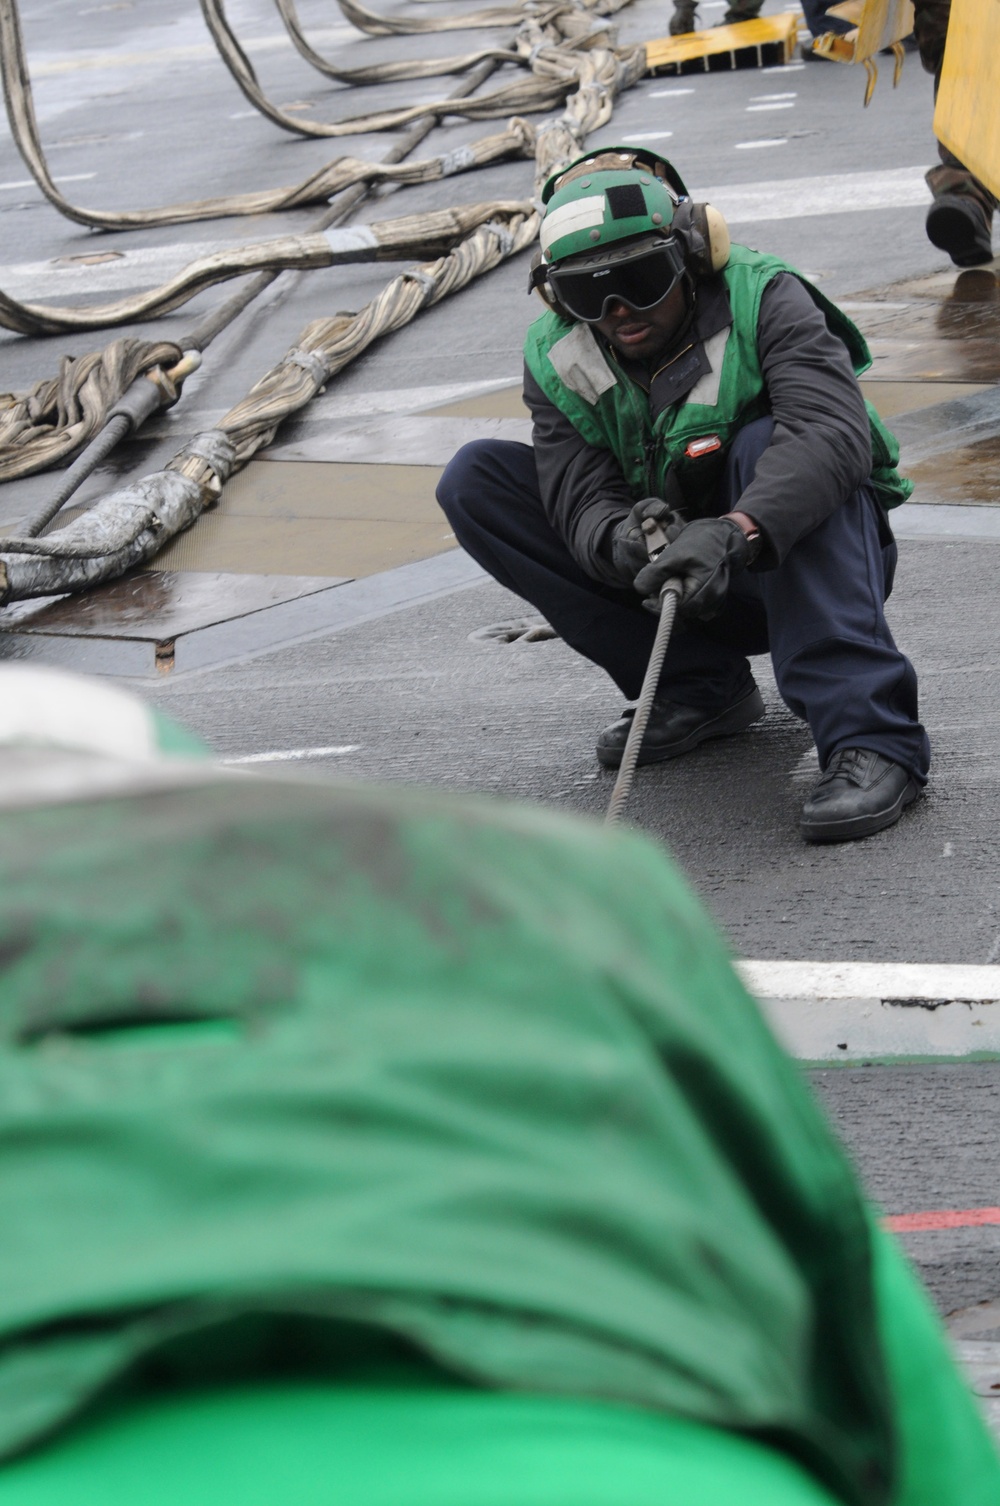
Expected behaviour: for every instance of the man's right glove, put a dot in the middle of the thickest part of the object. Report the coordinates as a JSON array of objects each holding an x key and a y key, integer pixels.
[
  {"x": 629, "y": 546},
  {"x": 704, "y": 555}
]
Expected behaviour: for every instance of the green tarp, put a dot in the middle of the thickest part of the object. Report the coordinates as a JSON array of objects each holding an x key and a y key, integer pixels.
[
  {"x": 475, "y": 1077},
  {"x": 365, "y": 1445}
]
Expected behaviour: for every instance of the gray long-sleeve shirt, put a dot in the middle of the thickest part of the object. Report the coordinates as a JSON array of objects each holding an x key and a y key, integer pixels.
[{"x": 819, "y": 455}]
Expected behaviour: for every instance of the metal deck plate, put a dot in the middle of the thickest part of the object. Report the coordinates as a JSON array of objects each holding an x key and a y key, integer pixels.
[{"x": 146, "y": 623}]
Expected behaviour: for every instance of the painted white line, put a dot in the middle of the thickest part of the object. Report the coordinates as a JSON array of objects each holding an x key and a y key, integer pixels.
[
  {"x": 668, "y": 93},
  {"x": 848, "y": 980},
  {"x": 862, "y": 306},
  {"x": 805, "y": 769},
  {"x": 785, "y": 104},
  {"x": 294, "y": 755},
  {"x": 422, "y": 439},
  {"x": 338, "y": 35},
  {"x": 409, "y": 399},
  {"x": 785, "y": 68},
  {"x": 853, "y": 1011},
  {"x": 30, "y": 182},
  {"x": 752, "y": 146},
  {"x": 72, "y": 142},
  {"x": 946, "y": 520},
  {"x": 831, "y": 193},
  {"x": 649, "y": 135},
  {"x": 146, "y": 267},
  {"x": 764, "y": 99},
  {"x": 331, "y": 405}
]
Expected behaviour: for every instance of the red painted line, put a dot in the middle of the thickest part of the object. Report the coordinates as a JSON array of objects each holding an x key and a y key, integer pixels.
[{"x": 965, "y": 1218}]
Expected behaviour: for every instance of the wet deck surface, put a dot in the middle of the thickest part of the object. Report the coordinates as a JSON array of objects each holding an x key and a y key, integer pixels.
[{"x": 323, "y": 501}]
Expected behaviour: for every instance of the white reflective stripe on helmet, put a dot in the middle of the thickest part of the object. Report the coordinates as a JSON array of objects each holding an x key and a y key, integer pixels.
[{"x": 582, "y": 214}]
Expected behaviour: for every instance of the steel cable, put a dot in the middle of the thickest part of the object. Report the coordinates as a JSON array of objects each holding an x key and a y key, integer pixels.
[
  {"x": 384, "y": 73},
  {"x": 57, "y": 417},
  {"x": 118, "y": 385},
  {"x": 42, "y": 427},
  {"x": 128, "y": 527},
  {"x": 516, "y": 98},
  {"x": 334, "y": 177},
  {"x": 540, "y": 45},
  {"x": 403, "y": 239},
  {"x": 630, "y": 755},
  {"x": 519, "y": 134},
  {"x": 398, "y": 26}
]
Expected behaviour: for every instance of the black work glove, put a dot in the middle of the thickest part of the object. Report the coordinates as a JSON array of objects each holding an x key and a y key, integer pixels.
[
  {"x": 629, "y": 547},
  {"x": 704, "y": 555}
]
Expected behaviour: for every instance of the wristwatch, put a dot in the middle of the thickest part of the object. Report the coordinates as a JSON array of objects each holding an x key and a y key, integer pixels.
[{"x": 752, "y": 534}]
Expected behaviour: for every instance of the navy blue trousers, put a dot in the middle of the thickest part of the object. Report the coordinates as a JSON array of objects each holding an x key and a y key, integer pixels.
[{"x": 819, "y": 614}]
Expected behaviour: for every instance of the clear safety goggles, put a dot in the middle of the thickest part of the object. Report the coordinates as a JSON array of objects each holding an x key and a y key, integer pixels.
[{"x": 641, "y": 280}]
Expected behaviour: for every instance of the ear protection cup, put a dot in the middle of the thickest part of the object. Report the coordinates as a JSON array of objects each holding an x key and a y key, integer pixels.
[
  {"x": 704, "y": 234},
  {"x": 717, "y": 235},
  {"x": 538, "y": 283}
]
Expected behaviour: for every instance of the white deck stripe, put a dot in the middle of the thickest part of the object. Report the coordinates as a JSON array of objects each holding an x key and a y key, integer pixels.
[
  {"x": 830, "y": 193},
  {"x": 417, "y": 439},
  {"x": 19, "y": 183},
  {"x": 322, "y": 38},
  {"x": 293, "y": 755},
  {"x": 145, "y": 267},
  {"x": 854, "y": 1011},
  {"x": 741, "y": 203},
  {"x": 331, "y": 406}
]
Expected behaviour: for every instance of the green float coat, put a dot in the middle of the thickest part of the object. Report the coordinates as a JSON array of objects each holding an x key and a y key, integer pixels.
[
  {"x": 618, "y": 419},
  {"x": 304, "y": 1445},
  {"x": 474, "y": 1080}
]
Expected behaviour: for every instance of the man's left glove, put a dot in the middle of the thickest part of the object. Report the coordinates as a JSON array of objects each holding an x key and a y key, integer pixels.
[
  {"x": 705, "y": 555},
  {"x": 629, "y": 545}
]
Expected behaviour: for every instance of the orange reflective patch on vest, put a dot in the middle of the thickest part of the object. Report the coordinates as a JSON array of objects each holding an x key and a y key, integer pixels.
[{"x": 706, "y": 446}]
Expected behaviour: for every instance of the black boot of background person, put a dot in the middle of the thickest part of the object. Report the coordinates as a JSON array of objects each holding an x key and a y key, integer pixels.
[
  {"x": 673, "y": 729},
  {"x": 742, "y": 10},
  {"x": 683, "y": 19},
  {"x": 859, "y": 793},
  {"x": 960, "y": 221}
]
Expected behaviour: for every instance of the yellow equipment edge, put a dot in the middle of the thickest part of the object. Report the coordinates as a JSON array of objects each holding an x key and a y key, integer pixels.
[
  {"x": 763, "y": 30},
  {"x": 967, "y": 118}
]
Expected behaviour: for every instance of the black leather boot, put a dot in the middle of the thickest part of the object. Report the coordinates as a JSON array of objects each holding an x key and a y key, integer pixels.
[
  {"x": 858, "y": 793},
  {"x": 962, "y": 225},
  {"x": 673, "y": 730},
  {"x": 683, "y": 19}
]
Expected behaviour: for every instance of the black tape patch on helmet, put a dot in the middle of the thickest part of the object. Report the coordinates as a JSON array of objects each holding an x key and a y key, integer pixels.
[{"x": 626, "y": 201}]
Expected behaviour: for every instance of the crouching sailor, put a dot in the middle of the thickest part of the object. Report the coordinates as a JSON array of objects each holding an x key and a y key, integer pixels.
[{"x": 713, "y": 389}]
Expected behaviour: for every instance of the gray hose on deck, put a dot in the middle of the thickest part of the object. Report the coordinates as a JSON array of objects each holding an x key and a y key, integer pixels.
[
  {"x": 136, "y": 403},
  {"x": 323, "y": 184},
  {"x": 122, "y": 531},
  {"x": 623, "y": 784},
  {"x": 85, "y": 463},
  {"x": 129, "y": 527}
]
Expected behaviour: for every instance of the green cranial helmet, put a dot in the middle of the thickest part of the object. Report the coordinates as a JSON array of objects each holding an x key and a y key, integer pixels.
[{"x": 612, "y": 195}]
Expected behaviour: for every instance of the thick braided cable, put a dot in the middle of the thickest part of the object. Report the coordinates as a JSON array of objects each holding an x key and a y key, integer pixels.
[{"x": 623, "y": 784}]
